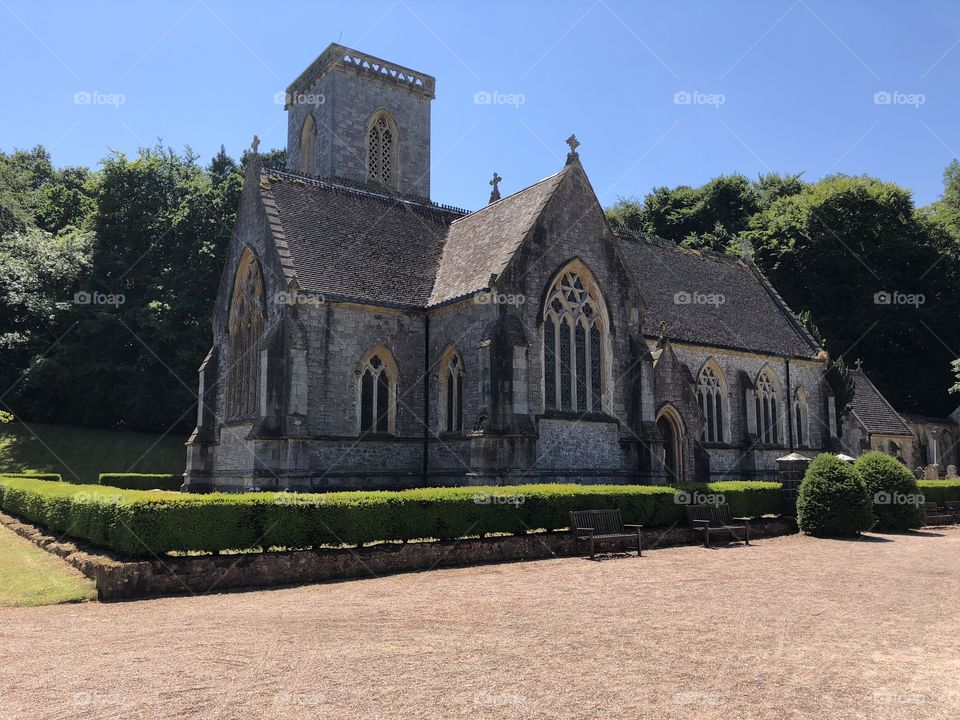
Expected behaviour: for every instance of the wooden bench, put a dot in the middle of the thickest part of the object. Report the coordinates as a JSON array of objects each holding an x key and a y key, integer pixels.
[
  {"x": 712, "y": 519},
  {"x": 604, "y": 527},
  {"x": 933, "y": 515}
]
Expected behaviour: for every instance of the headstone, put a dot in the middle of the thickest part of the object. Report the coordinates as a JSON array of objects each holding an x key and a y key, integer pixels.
[
  {"x": 951, "y": 472},
  {"x": 931, "y": 472}
]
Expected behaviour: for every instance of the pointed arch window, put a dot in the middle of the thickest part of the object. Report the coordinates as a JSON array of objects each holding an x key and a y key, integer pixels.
[
  {"x": 308, "y": 147},
  {"x": 451, "y": 390},
  {"x": 378, "y": 390},
  {"x": 382, "y": 143},
  {"x": 245, "y": 332},
  {"x": 801, "y": 418},
  {"x": 574, "y": 344},
  {"x": 768, "y": 409},
  {"x": 712, "y": 395}
]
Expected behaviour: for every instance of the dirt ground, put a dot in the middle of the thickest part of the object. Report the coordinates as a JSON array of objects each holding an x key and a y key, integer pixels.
[{"x": 787, "y": 628}]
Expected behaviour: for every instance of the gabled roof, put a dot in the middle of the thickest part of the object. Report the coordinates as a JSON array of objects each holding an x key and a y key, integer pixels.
[
  {"x": 482, "y": 243},
  {"x": 707, "y": 298},
  {"x": 872, "y": 410},
  {"x": 357, "y": 244}
]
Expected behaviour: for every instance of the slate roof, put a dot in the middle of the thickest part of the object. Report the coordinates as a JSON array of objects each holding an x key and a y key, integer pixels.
[
  {"x": 482, "y": 243},
  {"x": 751, "y": 317},
  {"x": 872, "y": 410},
  {"x": 352, "y": 243}
]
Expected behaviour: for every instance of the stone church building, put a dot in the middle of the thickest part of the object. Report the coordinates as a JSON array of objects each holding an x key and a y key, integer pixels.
[{"x": 365, "y": 336}]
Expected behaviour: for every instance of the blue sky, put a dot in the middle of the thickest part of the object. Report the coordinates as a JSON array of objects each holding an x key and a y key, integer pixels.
[{"x": 784, "y": 85}]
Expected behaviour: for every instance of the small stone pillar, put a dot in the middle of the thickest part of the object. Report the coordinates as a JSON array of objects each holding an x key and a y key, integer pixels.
[{"x": 790, "y": 471}]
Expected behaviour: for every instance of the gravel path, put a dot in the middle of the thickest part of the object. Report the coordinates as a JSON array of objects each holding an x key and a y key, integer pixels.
[{"x": 787, "y": 628}]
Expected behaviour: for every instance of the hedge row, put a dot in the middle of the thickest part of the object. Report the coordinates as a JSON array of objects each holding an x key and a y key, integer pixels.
[
  {"x": 51, "y": 477},
  {"x": 940, "y": 491},
  {"x": 138, "y": 523},
  {"x": 141, "y": 481}
]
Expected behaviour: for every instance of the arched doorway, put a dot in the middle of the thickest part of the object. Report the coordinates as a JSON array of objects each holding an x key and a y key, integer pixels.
[{"x": 671, "y": 432}]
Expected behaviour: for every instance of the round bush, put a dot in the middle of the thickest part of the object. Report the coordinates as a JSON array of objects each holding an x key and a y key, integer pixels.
[
  {"x": 832, "y": 500},
  {"x": 892, "y": 489}
]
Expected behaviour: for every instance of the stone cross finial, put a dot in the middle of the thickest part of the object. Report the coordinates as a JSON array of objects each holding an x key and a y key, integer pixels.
[
  {"x": 858, "y": 365},
  {"x": 746, "y": 250},
  {"x": 494, "y": 183},
  {"x": 255, "y": 145},
  {"x": 574, "y": 144},
  {"x": 663, "y": 330}
]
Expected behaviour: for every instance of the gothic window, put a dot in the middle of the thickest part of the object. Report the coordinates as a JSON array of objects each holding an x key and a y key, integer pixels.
[
  {"x": 574, "y": 339},
  {"x": 451, "y": 391},
  {"x": 378, "y": 387},
  {"x": 801, "y": 418},
  {"x": 767, "y": 409},
  {"x": 245, "y": 330},
  {"x": 308, "y": 147},
  {"x": 712, "y": 395},
  {"x": 382, "y": 143}
]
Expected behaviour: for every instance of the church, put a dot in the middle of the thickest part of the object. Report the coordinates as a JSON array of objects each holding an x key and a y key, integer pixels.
[{"x": 366, "y": 336}]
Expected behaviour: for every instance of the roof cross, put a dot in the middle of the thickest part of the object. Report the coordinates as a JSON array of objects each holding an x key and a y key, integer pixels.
[
  {"x": 495, "y": 183},
  {"x": 574, "y": 144}
]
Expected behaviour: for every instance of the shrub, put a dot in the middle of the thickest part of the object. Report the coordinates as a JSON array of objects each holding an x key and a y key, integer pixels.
[
  {"x": 832, "y": 499},
  {"x": 52, "y": 477},
  {"x": 892, "y": 490},
  {"x": 142, "y": 481},
  {"x": 940, "y": 491},
  {"x": 138, "y": 523}
]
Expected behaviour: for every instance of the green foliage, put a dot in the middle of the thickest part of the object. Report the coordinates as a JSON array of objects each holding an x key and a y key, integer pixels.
[
  {"x": 833, "y": 500},
  {"x": 893, "y": 491},
  {"x": 49, "y": 477},
  {"x": 746, "y": 498},
  {"x": 140, "y": 523},
  {"x": 142, "y": 481},
  {"x": 939, "y": 491},
  {"x": 6, "y": 417}
]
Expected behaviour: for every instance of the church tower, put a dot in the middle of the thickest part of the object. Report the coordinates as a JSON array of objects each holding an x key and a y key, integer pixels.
[{"x": 354, "y": 116}]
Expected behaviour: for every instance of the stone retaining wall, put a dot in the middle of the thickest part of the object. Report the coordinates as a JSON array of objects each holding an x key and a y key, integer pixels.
[{"x": 123, "y": 579}]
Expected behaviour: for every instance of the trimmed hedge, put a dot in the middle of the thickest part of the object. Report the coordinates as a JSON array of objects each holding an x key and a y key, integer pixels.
[
  {"x": 141, "y": 481},
  {"x": 892, "y": 489},
  {"x": 141, "y": 523},
  {"x": 51, "y": 477},
  {"x": 745, "y": 498},
  {"x": 940, "y": 491},
  {"x": 833, "y": 499}
]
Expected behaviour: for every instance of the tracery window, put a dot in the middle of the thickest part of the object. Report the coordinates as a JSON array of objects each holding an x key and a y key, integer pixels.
[
  {"x": 574, "y": 345},
  {"x": 767, "y": 409},
  {"x": 378, "y": 383},
  {"x": 451, "y": 388},
  {"x": 308, "y": 147},
  {"x": 712, "y": 395},
  {"x": 245, "y": 331},
  {"x": 382, "y": 150},
  {"x": 801, "y": 418}
]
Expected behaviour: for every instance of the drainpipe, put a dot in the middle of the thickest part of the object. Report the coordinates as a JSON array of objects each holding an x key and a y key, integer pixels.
[
  {"x": 426, "y": 396},
  {"x": 789, "y": 408}
]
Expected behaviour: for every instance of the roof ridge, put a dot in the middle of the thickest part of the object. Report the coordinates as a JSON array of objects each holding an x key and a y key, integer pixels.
[
  {"x": 785, "y": 309},
  {"x": 512, "y": 195},
  {"x": 882, "y": 397}
]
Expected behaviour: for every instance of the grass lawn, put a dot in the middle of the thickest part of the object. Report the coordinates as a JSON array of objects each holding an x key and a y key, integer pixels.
[
  {"x": 31, "y": 576},
  {"x": 80, "y": 454}
]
